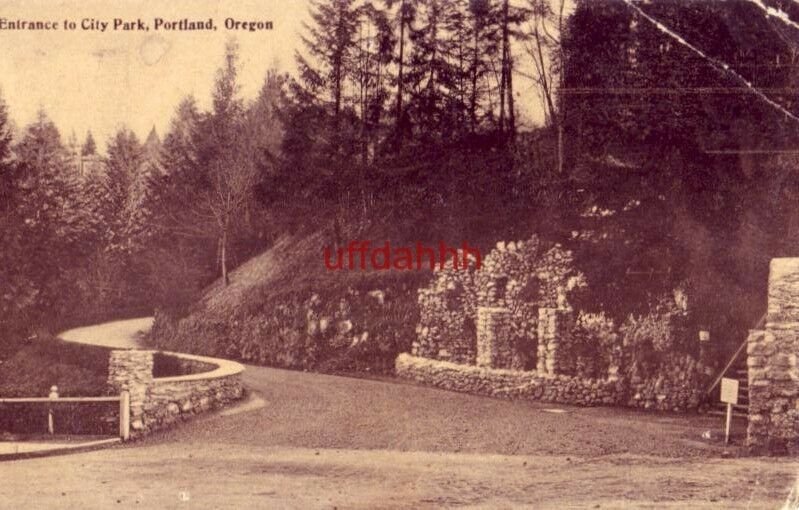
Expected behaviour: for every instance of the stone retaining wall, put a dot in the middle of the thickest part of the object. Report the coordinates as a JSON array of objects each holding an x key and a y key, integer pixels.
[{"x": 156, "y": 403}]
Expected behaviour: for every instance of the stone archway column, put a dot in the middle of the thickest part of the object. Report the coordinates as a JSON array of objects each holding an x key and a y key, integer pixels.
[
  {"x": 494, "y": 349},
  {"x": 554, "y": 328}
]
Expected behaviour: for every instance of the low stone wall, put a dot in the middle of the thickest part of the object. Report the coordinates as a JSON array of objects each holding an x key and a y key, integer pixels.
[
  {"x": 156, "y": 403},
  {"x": 509, "y": 383},
  {"x": 658, "y": 393}
]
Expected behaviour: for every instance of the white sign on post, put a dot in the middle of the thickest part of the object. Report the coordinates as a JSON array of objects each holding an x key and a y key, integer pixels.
[
  {"x": 729, "y": 390},
  {"x": 729, "y": 394}
]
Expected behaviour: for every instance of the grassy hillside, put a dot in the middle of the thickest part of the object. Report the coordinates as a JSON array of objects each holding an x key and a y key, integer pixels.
[
  {"x": 284, "y": 308},
  {"x": 77, "y": 370}
]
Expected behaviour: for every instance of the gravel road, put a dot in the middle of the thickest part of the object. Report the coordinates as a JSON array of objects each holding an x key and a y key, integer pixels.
[{"x": 317, "y": 441}]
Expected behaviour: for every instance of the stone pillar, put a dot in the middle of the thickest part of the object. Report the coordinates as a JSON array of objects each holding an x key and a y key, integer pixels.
[
  {"x": 132, "y": 371},
  {"x": 772, "y": 364},
  {"x": 553, "y": 326},
  {"x": 494, "y": 347}
]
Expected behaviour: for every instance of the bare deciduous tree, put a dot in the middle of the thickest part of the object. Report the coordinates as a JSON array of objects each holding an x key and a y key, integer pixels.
[{"x": 543, "y": 44}]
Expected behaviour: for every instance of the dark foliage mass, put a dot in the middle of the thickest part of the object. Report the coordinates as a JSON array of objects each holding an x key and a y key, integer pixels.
[
  {"x": 659, "y": 165},
  {"x": 683, "y": 150}
]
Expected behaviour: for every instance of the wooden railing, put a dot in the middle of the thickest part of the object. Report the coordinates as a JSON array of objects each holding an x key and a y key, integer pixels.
[
  {"x": 741, "y": 349},
  {"x": 123, "y": 399}
]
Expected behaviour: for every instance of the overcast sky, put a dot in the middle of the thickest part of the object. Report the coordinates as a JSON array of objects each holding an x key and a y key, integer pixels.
[{"x": 100, "y": 80}]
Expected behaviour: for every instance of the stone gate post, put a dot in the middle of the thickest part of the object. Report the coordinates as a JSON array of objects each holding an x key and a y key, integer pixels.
[
  {"x": 132, "y": 371},
  {"x": 772, "y": 364}
]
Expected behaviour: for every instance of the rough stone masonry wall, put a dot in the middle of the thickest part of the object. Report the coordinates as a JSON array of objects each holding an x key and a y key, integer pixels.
[
  {"x": 673, "y": 387},
  {"x": 520, "y": 276},
  {"x": 446, "y": 328},
  {"x": 772, "y": 364},
  {"x": 157, "y": 403},
  {"x": 171, "y": 400},
  {"x": 492, "y": 382}
]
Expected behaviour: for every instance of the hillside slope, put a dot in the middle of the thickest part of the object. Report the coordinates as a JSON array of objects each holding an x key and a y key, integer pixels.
[{"x": 284, "y": 308}]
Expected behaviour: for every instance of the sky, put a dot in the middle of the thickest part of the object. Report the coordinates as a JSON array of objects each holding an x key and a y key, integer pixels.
[{"x": 99, "y": 81}]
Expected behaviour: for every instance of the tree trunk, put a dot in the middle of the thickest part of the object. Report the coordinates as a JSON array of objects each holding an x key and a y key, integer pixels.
[
  {"x": 560, "y": 148},
  {"x": 511, "y": 108},
  {"x": 475, "y": 58},
  {"x": 223, "y": 257},
  {"x": 401, "y": 64},
  {"x": 503, "y": 80}
]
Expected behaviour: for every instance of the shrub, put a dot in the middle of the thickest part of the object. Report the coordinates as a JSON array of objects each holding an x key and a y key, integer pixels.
[
  {"x": 592, "y": 349},
  {"x": 339, "y": 322},
  {"x": 647, "y": 338}
]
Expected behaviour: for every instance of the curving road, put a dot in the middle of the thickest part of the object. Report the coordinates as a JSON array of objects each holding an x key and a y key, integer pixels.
[{"x": 318, "y": 441}]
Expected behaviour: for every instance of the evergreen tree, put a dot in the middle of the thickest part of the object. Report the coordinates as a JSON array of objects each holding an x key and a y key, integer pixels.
[
  {"x": 330, "y": 44},
  {"x": 433, "y": 73},
  {"x": 178, "y": 257},
  {"x": 89, "y": 146},
  {"x": 17, "y": 293},
  {"x": 401, "y": 22},
  {"x": 179, "y": 150},
  {"x": 374, "y": 48},
  {"x": 52, "y": 231},
  {"x": 323, "y": 130},
  {"x": 483, "y": 38},
  {"x": 266, "y": 125},
  {"x": 125, "y": 178}
]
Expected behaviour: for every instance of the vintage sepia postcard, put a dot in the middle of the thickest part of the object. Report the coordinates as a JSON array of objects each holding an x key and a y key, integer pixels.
[{"x": 399, "y": 254}]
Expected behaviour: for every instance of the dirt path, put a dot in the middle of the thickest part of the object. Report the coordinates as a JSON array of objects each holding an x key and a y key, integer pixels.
[
  {"x": 220, "y": 475},
  {"x": 322, "y": 442},
  {"x": 122, "y": 334}
]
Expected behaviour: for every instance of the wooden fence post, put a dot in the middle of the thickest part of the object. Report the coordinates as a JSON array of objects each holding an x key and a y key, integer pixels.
[
  {"x": 124, "y": 415},
  {"x": 53, "y": 395}
]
